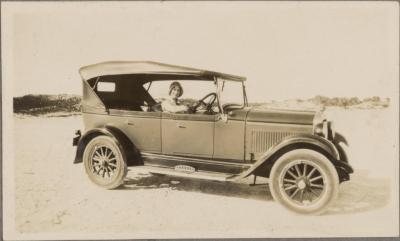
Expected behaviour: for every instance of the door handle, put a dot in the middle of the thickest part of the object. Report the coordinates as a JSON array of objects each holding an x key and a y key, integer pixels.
[{"x": 129, "y": 123}]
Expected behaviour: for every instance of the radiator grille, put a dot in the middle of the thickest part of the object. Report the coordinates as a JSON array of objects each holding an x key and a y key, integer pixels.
[{"x": 261, "y": 141}]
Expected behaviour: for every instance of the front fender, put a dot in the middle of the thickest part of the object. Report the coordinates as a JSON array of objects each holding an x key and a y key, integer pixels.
[
  {"x": 289, "y": 143},
  {"x": 128, "y": 148}
]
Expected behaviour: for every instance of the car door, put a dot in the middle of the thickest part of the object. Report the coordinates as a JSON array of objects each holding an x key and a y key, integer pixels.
[
  {"x": 188, "y": 134},
  {"x": 229, "y": 140},
  {"x": 142, "y": 128}
]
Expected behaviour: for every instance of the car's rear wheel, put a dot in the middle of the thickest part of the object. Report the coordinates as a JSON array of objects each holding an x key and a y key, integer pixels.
[
  {"x": 304, "y": 181},
  {"x": 104, "y": 162}
]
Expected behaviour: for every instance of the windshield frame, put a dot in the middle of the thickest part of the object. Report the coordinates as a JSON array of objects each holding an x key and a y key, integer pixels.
[{"x": 220, "y": 85}]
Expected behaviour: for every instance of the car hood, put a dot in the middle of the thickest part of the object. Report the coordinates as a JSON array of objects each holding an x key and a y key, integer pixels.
[{"x": 283, "y": 116}]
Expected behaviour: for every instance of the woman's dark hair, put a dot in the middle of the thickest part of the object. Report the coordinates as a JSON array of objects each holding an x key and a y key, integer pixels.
[{"x": 173, "y": 85}]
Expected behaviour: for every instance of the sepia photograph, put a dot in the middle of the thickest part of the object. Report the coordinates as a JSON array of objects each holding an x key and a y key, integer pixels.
[{"x": 191, "y": 119}]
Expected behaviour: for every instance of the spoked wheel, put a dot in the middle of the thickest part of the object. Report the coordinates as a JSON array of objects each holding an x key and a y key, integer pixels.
[
  {"x": 304, "y": 181},
  {"x": 104, "y": 162}
]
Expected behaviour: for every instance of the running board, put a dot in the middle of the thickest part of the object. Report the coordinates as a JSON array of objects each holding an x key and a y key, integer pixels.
[{"x": 214, "y": 176}]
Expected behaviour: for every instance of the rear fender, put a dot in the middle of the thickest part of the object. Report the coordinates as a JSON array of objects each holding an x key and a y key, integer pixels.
[
  {"x": 301, "y": 141},
  {"x": 131, "y": 153}
]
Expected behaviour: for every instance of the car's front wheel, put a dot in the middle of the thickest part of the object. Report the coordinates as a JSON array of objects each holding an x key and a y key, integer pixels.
[
  {"x": 104, "y": 162},
  {"x": 304, "y": 181}
]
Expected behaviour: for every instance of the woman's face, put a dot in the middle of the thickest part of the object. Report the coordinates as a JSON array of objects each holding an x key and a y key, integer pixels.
[{"x": 175, "y": 92}]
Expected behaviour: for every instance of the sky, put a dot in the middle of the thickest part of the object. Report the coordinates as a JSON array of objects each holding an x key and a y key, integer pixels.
[{"x": 285, "y": 49}]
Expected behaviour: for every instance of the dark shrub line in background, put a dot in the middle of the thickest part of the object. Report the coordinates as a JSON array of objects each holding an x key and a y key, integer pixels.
[
  {"x": 44, "y": 104},
  {"x": 352, "y": 101},
  {"x": 323, "y": 101}
]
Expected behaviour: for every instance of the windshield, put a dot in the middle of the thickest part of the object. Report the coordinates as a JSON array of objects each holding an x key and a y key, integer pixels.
[
  {"x": 193, "y": 90},
  {"x": 231, "y": 93}
]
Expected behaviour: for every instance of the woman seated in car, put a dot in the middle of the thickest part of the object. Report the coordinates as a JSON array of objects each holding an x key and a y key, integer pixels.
[{"x": 171, "y": 104}]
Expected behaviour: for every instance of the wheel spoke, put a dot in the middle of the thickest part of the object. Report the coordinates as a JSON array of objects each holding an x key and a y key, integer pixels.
[
  {"x": 105, "y": 151},
  {"x": 315, "y": 178},
  {"x": 312, "y": 171},
  {"x": 98, "y": 171},
  {"x": 101, "y": 151},
  {"x": 290, "y": 187},
  {"x": 95, "y": 158},
  {"x": 306, "y": 196},
  {"x": 97, "y": 153},
  {"x": 289, "y": 180},
  {"x": 112, "y": 171},
  {"x": 297, "y": 170},
  {"x": 304, "y": 169},
  {"x": 313, "y": 192},
  {"x": 310, "y": 197},
  {"x": 112, "y": 164},
  {"x": 301, "y": 195},
  {"x": 109, "y": 154},
  {"x": 95, "y": 170},
  {"x": 317, "y": 186},
  {"x": 292, "y": 174},
  {"x": 112, "y": 159},
  {"x": 294, "y": 193}
]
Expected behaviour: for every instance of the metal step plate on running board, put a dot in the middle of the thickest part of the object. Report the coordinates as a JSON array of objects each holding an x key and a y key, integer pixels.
[{"x": 186, "y": 171}]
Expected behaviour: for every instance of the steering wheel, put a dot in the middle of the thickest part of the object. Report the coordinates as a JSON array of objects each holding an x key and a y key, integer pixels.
[{"x": 208, "y": 105}]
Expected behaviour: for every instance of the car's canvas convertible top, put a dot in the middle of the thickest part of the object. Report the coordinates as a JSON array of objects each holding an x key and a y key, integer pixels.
[{"x": 147, "y": 67}]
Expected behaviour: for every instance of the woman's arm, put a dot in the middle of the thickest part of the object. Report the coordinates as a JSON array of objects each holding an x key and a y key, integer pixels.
[{"x": 169, "y": 106}]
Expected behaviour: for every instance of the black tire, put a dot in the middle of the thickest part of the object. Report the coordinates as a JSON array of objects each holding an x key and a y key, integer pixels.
[
  {"x": 304, "y": 181},
  {"x": 105, "y": 162}
]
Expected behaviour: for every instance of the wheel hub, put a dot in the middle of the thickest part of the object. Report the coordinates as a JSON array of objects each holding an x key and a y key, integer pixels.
[{"x": 301, "y": 184}]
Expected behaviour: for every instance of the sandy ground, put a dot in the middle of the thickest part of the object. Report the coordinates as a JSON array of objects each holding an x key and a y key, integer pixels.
[{"x": 54, "y": 197}]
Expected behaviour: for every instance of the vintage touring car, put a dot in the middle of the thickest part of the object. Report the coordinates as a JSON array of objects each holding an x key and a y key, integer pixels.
[{"x": 221, "y": 138}]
